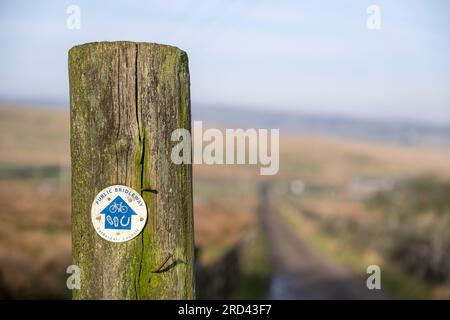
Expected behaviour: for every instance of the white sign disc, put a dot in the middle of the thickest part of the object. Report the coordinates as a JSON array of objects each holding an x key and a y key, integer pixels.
[{"x": 118, "y": 213}]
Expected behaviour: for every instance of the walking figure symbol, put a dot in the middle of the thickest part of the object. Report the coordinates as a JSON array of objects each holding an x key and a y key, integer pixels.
[{"x": 118, "y": 215}]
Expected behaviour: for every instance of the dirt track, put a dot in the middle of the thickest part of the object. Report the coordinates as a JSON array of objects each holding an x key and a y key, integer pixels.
[{"x": 299, "y": 273}]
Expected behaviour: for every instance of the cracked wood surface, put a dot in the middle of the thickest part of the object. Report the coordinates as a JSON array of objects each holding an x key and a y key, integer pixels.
[{"x": 125, "y": 100}]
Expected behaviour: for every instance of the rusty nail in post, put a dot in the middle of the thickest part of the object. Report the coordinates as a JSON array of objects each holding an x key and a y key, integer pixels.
[
  {"x": 163, "y": 263},
  {"x": 150, "y": 190}
]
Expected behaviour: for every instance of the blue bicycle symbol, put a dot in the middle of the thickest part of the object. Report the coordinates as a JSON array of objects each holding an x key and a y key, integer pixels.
[{"x": 120, "y": 208}]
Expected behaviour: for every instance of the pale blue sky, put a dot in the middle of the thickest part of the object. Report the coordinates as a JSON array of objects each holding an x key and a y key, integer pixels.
[{"x": 305, "y": 56}]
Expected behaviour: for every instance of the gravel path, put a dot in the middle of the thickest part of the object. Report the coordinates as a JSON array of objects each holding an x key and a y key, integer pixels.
[{"x": 300, "y": 273}]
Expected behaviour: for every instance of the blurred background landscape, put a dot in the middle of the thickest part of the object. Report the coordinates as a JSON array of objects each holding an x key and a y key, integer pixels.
[
  {"x": 336, "y": 206},
  {"x": 364, "y": 119}
]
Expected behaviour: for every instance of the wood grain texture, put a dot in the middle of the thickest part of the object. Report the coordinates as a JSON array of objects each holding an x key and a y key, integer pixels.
[{"x": 125, "y": 100}]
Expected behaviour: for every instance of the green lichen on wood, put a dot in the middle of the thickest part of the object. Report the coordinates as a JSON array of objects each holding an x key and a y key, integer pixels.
[{"x": 126, "y": 99}]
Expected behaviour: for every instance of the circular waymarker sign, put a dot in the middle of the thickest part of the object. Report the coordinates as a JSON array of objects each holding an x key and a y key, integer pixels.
[{"x": 118, "y": 213}]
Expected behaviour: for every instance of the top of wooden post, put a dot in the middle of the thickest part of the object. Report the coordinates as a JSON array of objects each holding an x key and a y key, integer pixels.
[{"x": 115, "y": 43}]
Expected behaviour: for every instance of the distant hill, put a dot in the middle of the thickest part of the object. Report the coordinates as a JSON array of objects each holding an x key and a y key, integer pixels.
[
  {"x": 392, "y": 132},
  {"x": 396, "y": 132}
]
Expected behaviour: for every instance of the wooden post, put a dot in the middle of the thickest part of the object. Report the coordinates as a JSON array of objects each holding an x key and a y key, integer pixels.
[{"x": 125, "y": 100}]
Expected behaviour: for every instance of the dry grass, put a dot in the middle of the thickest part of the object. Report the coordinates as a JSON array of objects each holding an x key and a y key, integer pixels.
[
  {"x": 34, "y": 136},
  {"x": 334, "y": 161},
  {"x": 35, "y": 241},
  {"x": 217, "y": 230}
]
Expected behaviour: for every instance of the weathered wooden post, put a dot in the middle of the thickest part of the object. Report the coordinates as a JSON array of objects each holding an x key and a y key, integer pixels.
[{"x": 125, "y": 100}]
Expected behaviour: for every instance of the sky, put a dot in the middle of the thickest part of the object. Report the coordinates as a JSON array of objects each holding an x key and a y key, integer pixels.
[{"x": 314, "y": 57}]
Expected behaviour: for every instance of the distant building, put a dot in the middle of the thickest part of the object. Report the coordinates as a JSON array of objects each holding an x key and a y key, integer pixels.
[
  {"x": 297, "y": 187},
  {"x": 364, "y": 187}
]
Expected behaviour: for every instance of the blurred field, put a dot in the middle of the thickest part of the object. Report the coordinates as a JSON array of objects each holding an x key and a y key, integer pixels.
[{"x": 354, "y": 202}]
